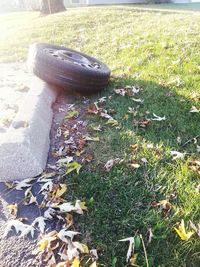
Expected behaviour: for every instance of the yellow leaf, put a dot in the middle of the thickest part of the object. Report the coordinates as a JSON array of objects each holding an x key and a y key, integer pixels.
[
  {"x": 72, "y": 114},
  {"x": 182, "y": 232},
  {"x": 94, "y": 264},
  {"x": 85, "y": 248},
  {"x": 113, "y": 122},
  {"x": 126, "y": 117},
  {"x": 43, "y": 244},
  {"x": 133, "y": 260},
  {"x": 61, "y": 190},
  {"x": 73, "y": 166},
  {"x": 76, "y": 263},
  {"x": 83, "y": 206},
  {"x": 13, "y": 209},
  {"x": 61, "y": 264}
]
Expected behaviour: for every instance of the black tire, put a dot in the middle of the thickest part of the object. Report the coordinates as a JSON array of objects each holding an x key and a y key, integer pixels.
[{"x": 67, "y": 68}]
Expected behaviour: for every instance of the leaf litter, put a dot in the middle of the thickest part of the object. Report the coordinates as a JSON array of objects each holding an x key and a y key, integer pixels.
[{"x": 58, "y": 248}]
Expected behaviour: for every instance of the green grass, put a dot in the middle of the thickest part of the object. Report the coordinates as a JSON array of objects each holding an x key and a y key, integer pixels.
[
  {"x": 172, "y": 6},
  {"x": 160, "y": 53}
]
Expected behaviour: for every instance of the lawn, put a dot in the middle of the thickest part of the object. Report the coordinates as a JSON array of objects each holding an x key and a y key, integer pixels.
[
  {"x": 172, "y": 6},
  {"x": 159, "y": 53}
]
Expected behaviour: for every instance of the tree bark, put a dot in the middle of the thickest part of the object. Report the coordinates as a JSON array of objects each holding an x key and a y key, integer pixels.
[{"x": 51, "y": 6}]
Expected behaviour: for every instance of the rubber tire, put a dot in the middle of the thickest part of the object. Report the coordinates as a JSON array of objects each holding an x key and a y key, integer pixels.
[{"x": 64, "y": 73}]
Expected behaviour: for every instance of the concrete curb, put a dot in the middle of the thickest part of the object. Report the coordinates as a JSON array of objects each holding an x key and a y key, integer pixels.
[{"x": 24, "y": 148}]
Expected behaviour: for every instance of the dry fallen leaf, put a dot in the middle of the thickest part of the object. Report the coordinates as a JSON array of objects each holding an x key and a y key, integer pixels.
[
  {"x": 134, "y": 164},
  {"x": 120, "y": 91},
  {"x": 65, "y": 207},
  {"x": 181, "y": 231},
  {"x": 60, "y": 190},
  {"x": 73, "y": 166},
  {"x": 177, "y": 155},
  {"x": 131, "y": 247},
  {"x": 194, "y": 110},
  {"x": 19, "y": 227},
  {"x": 112, "y": 122},
  {"x": 134, "y": 147},
  {"x": 144, "y": 123},
  {"x": 158, "y": 118},
  {"x": 75, "y": 263},
  {"x": 64, "y": 234},
  {"x": 41, "y": 223},
  {"x": 72, "y": 114},
  {"x": 109, "y": 164},
  {"x": 133, "y": 260},
  {"x": 80, "y": 206},
  {"x": 23, "y": 184},
  {"x": 196, "y": 228},
  {"x": 13, "y": 208}
]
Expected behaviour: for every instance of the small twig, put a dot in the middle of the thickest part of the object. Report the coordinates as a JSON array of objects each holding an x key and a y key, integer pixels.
[
  {"x": 190, "y": 140},
  {"x": 145, "y": 252}
]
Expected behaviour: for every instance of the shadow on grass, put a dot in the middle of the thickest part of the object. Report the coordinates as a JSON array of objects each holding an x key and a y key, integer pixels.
[{"x": 172, "y": 102}]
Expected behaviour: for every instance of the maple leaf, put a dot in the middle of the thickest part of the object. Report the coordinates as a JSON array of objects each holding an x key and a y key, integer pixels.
[
  {"x": 29, "y": 229},
  {"x": 65, "y": 207},
  {"x": 18, "y": 225},
  {"x": 48, "y": 186},
  {"x": 181, "y": 231},
  {"x": 80, "y": 206},
  {"x": 73, "y": 166},
  {"x": 64, "y": 234},
  {"x": 49, "y": 213},
  {"x": 41, "y": 223},
  {"x": 23, "y": 184}
]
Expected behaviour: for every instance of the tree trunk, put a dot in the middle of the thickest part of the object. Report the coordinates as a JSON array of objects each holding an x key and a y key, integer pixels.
[{"x": 51, "y": 6}]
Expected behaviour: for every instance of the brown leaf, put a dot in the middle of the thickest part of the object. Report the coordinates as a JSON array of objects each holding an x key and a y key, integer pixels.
[
  {"x": 88, "y": 158},
  {"x": 144, "y": 123},
  {"x": 134, "y": 164},
  {"x": 81, "y": 144},
  {"x": 195, "y": 166},
  {"x": 93, "y": 109},
  {"x": 134, "y": 147}
]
